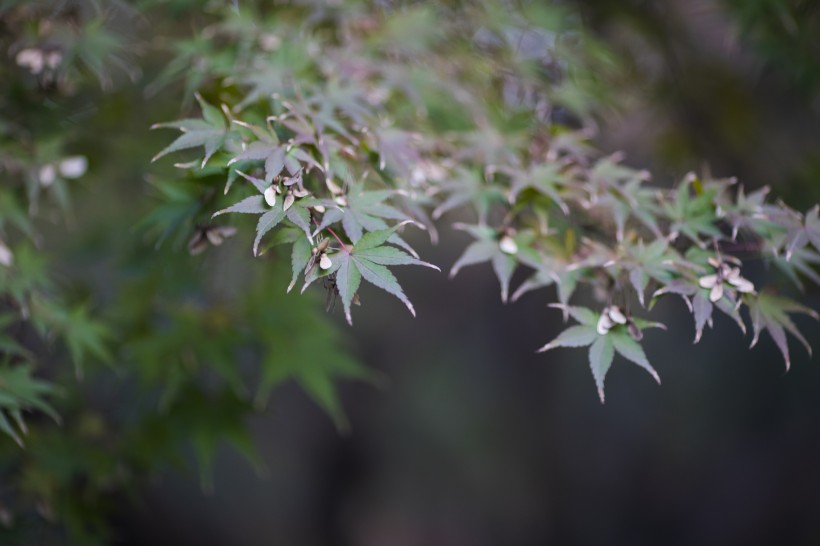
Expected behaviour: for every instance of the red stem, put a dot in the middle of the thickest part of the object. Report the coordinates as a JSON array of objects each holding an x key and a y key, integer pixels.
[
  {"x": 344, "y": 247},
  {"x": 337, "y": 238}
]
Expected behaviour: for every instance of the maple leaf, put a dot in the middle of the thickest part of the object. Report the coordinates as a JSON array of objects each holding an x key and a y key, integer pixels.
[
  {"x": 693, "y": 215},
  {"x": 397, "y": 149},
  {"x": 210, "y": 132},
  {"x": 748, "y": 212},
  {"x": 489, "y": 247},
  {"x": 274, "y": 74},
  {"x": 771, "y": 313},
  {"x": 554, "y": 267},
  {"x": 348, "y": 99},
  {"x": 802, "y": 231},
  {"x": 20, "y": 391},
  {"x": 620, "y": 190},
  {"x": 363, "y": 210},
  {"x": 545, "y": 178},
  {"x": 490, "y": 147},
  {"x": 295, "y": 210},
  {"x": 802, "y": 260},
  {"x": 275, "y": 155},
  {"x": 656, "y": 260},
  {"x": 321, "y": 111},
  {"x": 464, "y": 187},
  {"x": 565, "y": 279},
  {"x": 368, "y": 258},
  {"x": 602, "y": 346}
]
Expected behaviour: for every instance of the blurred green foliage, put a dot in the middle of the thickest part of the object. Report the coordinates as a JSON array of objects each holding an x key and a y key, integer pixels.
[{"x": 122, "y": 356}]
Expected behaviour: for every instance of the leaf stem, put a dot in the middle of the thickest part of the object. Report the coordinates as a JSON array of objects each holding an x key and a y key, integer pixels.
[
  {"x": 337, "y": 238},
  {"x": 344, "y": 247}
]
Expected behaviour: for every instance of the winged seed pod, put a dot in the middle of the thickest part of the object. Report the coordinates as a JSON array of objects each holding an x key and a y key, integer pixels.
[
  {"x": 73, "y": 167},
  {"x": 32, "y": 59},
  {"x": 6, "y": 256},
  {"x": 724, "y": 274},
  {"x": 508, "y": 245},
  {"x": 270, "y": 195},
  {"x": 204, "y": 235},
  {"x": 611, "y": 316},
  {"x": 47, "y": 175}
]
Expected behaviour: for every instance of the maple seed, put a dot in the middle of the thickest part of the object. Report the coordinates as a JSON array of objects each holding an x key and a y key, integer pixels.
[
  {"x": 725, "y": 273},
  {"x": 324, "y": 262},
  {"x": 73, "y": 167},
  {"x": 6, "y": 256},
  {"x": 508, "y": 245},
  {"x": 611, "y": 316},
  {"x": 289, "y": 199},
  {"x": 333, "y": 186},
  {"x": 616, "y": 315},
  {"x": 270, "y": 196},
  {"x": 203, "y": 235},
  {"x": 604, "y": 324},
  {"x": 47, "y": 175},
  {"x": 30, "y": 58}
]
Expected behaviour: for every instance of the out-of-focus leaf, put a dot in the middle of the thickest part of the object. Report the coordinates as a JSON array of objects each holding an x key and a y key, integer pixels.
[
  {"x": 210, "y": 132},
  {"x": 770, "y": 313}
]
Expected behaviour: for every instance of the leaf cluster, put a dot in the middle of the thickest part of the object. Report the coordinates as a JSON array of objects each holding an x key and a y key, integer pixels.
[{"x": 354, "y": 163}]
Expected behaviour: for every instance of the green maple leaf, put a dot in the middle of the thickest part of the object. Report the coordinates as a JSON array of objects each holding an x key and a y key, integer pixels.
[
  {"x": 771, "y": 313},
  {"x": 276, "y": 75},
  {"x": 210, "y": 132},
  {"x": 602, "y": 347},
  {"x": 620, "y": 190},
  {"x": 346, "y": 98},
  {"x": 84, "y": 336},
  {"x": 397, "y": 149},
  {"x": 656, "y": 260},
  {"x": 366, "y": 210},
  {"x": 488, "y": 248},
  {"x": 547, "y": 274},
  {"x": 545, "y": 178},
  {"x": 270, "y": 217},
  {"x": 803, "y": 231},
  {"x": 551, "y": 267},
  {"x": 20, "y": 391},
  {"x": 747, "y": 212},
  {"x": 693, "y": 212},
  {"x": 276, "y": 156},
  {"x": 368, "y": 259},
  {"x": 801, "y": 260},
  {"x": 464, "y": 187},
  {"x": 301, "y": 253}
]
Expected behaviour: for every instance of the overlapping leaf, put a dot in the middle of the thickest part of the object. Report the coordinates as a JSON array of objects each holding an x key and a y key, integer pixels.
[
  {"x": 209, "y": 132},
  {"x": 369, "y": 259},
  {"x": 770, "y": 313},
  {"x": 602, "y": 347},
  {"x": 500, "y": 251},
  {"x": 20, "y": 391}
]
